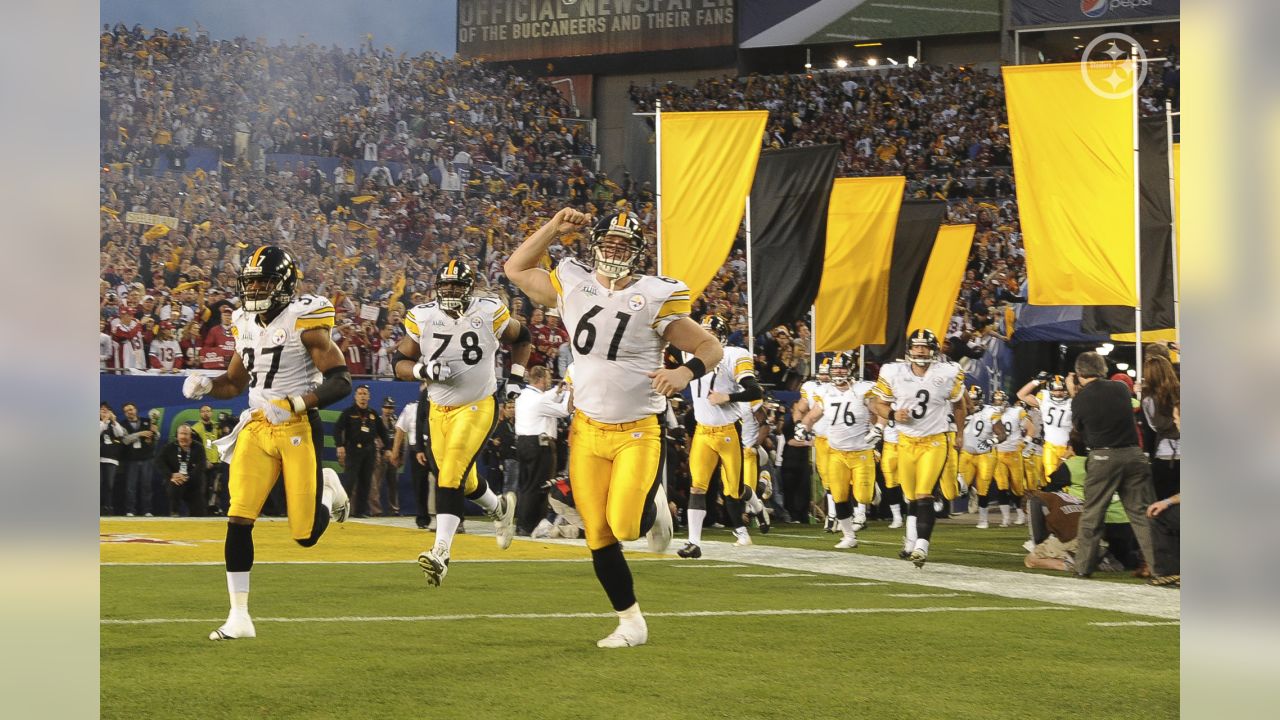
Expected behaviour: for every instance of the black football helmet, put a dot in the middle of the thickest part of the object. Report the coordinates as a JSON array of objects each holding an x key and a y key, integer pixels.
[
  {"x": 1058, "y": 388},
  {"x": 841, "y": 368},
  {"x": 623, "y": 225},
  {"x": 922, "y": 339},
  {"x": 717, "y": 326},
  {"x": 455, "y": 280},
  {"x": 976, "y": 395},
  {"x": 268, "y": 279}
]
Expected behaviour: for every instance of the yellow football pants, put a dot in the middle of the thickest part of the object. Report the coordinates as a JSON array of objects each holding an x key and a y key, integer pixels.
[
  {"x": 821, "y": 452},
  {"x": 264, "y": 452},
  {"x": 1009, "y": 471},
  {"x": 889, "y": 463},
  {"x": 712, "y": 445},
  {"x": 921, "y": 465},
  {"x": 1033, "y": 471},
  {"x": 1053, "y": 455},
  {"x": 614, "y": 470},
  {"x": 458, "y": 434},
  {"x": 851, "y": 471},
  {"x": 978, "y": 469},
  {"x": 750, "y": 467}
]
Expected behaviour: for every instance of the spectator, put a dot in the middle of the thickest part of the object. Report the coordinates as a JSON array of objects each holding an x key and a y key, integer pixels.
[
  {"x": 354, "y": 434},
  {"x": 110, "y": 451},
  {"x": 182, "y": 464},
  {"x": 501, "y": 452},
  {"x": 139, "y": 441},
  {"x": 536, "y": 411},
  {"x": 165, "y": 351},
  {"x": 206, "y": 432},
  {"x": 1166, "y": 516},
  {"x": 126, "y": 331},
  {"x": 1103, "y": 415},
  {"x": 386, "y": 468},
  {"x": 1161, "y": 398},
  {"x": 219, "y": 343},
  {"x": 796, "y": 482}
]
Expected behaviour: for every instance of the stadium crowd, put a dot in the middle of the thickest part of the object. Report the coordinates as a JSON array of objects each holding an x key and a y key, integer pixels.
[{"x": 438, "y": 158}]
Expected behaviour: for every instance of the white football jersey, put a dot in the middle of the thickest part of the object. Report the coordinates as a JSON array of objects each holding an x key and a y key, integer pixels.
[
  {"x": 891, "y": 432},
  {"x": 277, "y": 361},
  {"x": 849, "y": 418},
  {"x": 1012, "y": 418},
  {"x": 750, "y": 426},
  {"x": 616, "y": 337},
  {"x": 820, "y": 394},
  {"x": 979, "y": 426},
  {"x": 725, "y": 377},
  {"x": 1056, "y": 418},
  {"x": 928, "y": 397},
  {"x": 466, "y": 344}
]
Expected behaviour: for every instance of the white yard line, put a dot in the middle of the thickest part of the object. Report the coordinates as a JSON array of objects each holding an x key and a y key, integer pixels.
[
  {"x": 1135, "y": 623},
  {"x": 847, "y": 584},
  {"x": 571, "y": 616},
  {"x": 772, "y": 575},
  {"x": 927, "y": 595}
]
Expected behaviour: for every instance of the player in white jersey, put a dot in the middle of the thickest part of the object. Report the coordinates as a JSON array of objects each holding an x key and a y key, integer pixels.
[
  {"x": 924, "y": 396},
  {"x": 1033, "y": 451},
  {"x": 450, "y": 344},
  {"x": 754, "y": 457},
  {"x": 286, "y": 357},
  {"x": 618, "y": 322},
  {"x": 1054, "y": 404},
  {"x": 851, "y": 433},
  {"x": 1013, "y": 426},
  {"x": 717, "y": 440},
  {"x": 977, "y": 461},
  {"x": 811, "y": 393}
]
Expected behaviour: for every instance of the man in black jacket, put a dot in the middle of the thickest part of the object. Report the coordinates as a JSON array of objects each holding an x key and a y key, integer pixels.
[
  {"x": 354, "y": 435},
  {"x": 182, "y": 465},
  {"x": 139, "y": 442}
]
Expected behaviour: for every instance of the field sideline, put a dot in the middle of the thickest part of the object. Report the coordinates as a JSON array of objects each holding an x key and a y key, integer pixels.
[{"x": 784, "y": 629}]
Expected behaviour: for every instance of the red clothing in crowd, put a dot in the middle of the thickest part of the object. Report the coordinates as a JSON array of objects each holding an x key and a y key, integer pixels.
[{"x": 219, "y": 346}]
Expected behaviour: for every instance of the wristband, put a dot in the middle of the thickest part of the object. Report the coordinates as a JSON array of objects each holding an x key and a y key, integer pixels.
[
  {"x": 420, "y": 371},
  {"x": 695, "y": 366},
  {"x": 299, "y": 405},
  {"x": 517, "y": 371}
]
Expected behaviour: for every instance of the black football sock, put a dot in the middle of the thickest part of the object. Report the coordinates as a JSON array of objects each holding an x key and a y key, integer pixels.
[
  {"x": 924, "y": 518},
  {"x": 238, "y": 550},
  {"x": 614, "y": 576}
]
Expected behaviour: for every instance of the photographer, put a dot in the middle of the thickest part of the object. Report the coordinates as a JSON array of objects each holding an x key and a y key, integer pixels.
[
  {"x": 182, "y": 463},
  {"x": 110, "y": 450}
]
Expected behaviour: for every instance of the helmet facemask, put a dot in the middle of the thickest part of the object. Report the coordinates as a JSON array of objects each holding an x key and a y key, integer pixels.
[
  {"x": 259, "y": 292},
  {"x": 453, "y": 296},
  {"x": 616, "y": 255}
]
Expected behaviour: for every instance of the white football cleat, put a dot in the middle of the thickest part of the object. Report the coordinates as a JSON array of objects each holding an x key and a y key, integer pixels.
[
  {"x": 341, "y": 506},
  {"x": 504, "y": 520},
  {"x": 631, "y": 636},
  {"x": 1028, "y": 546},
  {"x": 897, "y": 523},
  {"x": 234, "y": 629},
  {"x": 434, "y": 566},
  {"x": 660, "y": 534},
  {"x": 1021, "y": 519},
  {"x": 542, "y": 530},
  {"x": 846, "y": 543},
  {"x": 743, "y": 538},
  {"x": 918, "y": 557},
  {"x": 982, "y": 525}
]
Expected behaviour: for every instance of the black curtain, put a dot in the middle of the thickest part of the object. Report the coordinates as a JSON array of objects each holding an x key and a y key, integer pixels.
[
  {"x": 1155, "y": 212},
  {"x": 913, "y": 239},
  {"x": 789, "y": 199}
]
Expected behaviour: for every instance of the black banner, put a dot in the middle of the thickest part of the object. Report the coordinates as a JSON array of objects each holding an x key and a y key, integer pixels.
[
  {"x": 1026, "y": 13},
  {"x": 1155, "y": 239},
  {"x": 913, "y": 238},
  {"x": 789, "y": 199}
]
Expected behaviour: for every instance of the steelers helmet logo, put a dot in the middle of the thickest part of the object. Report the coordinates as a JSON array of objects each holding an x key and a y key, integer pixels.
[
  {"x": 278, "y": 336},
  {"x": 636, "y": 302},
  {"x": 476, "y": 323}
]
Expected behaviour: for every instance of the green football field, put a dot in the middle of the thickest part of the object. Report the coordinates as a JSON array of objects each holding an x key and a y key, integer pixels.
[{"x": 789, "y": 628}]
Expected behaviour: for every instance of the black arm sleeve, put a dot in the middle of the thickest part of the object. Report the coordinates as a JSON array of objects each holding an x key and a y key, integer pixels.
[
  {"x": 751, "y": 390},
  {"x": 397, "y": 356},
  {"x": 336, "y": 385},
  {"x": 524, "y": 336}
]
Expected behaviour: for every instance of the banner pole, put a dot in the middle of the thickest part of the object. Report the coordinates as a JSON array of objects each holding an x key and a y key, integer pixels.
[
  {"x": 813, "y": 341},
  {"x": 657, "y": 195},
  {"x": 1137, "y": 229},
  {"x": 751, "y": 334},
  {"x": 1173, "y": 223},
  {"x": 862, "y": 364}
]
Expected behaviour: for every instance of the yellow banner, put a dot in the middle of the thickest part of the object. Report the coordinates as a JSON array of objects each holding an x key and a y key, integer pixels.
[
  {"x": 853, "y": 299},
  {"x": 1071, "y": 130},
  {"x": 708, "y": 162},
  {"x": 942, "y": 276}
]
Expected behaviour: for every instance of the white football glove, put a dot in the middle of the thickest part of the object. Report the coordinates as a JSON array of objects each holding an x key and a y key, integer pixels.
[
  {"x": 876, "y": 496},
  {"x": 803, "y": 433},
  {"x": 874, "y": 434},
  {"x": 985, "y": 446},
  {"x": 433, "y": 371},
  {"x": 196, "y": 386},
  {"x": 960, "y": 483}
]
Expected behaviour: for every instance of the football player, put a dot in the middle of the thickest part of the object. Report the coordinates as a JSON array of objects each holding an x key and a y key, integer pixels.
[
  {"x": 1012, "y": 427},
  {"x": 717, "y": 440},
  {"x": 450, "y": 344},
  {"x": 618, "y": 321},
  {"x": 977, "y": 462},
  {"x": 753, "y": 433},
  {"x": 812, "y": 393},
  {"x": 889, "y": 469},
  {"x": 923, "y": 395},
  {"x": 1033, "y": 451},
  {"x": 1054, "y": 403},
  {"x": 285, "y": 356},
  {"x": 851, "y": 463}
]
